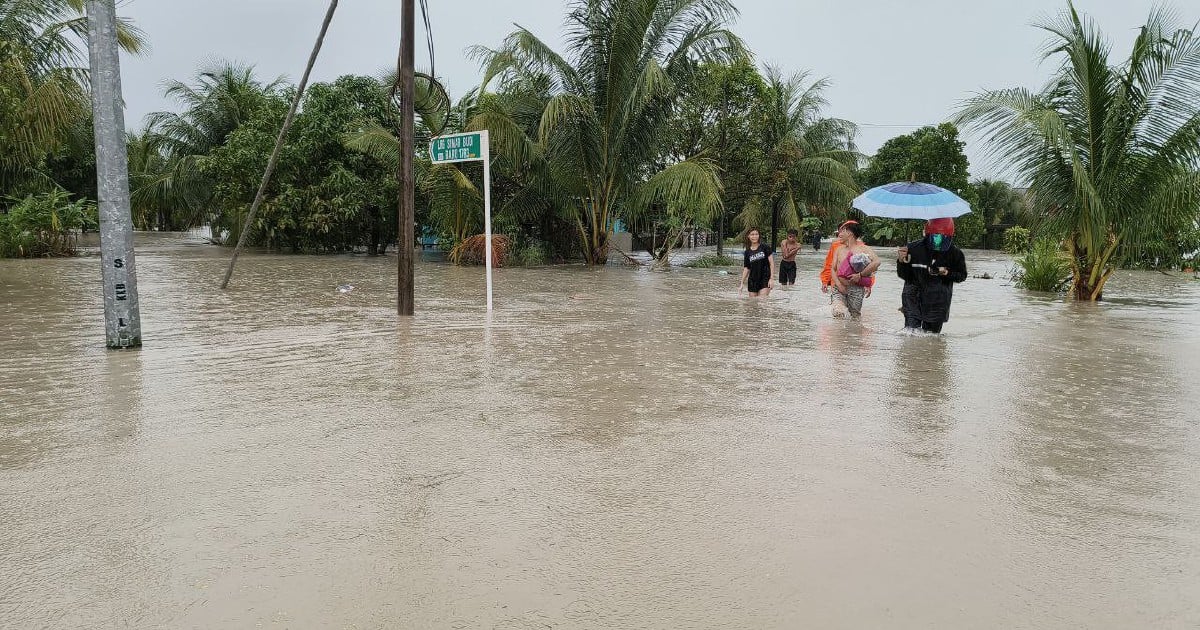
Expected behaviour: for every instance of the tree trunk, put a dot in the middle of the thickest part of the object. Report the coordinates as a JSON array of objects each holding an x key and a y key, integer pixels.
[
  {"x": 374, "y": 248},
  {"x": 594, "y": 236},
  {"x": 721, "y": 232},
  {"x": 600, "y": 250},
  {"x": 774, "y": 223},
  {"x": 1090, "y": 271},
  {"x": 724, "y": 158}
]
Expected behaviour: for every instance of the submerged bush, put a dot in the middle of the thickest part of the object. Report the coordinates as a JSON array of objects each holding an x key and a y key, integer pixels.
[
  {"x": 530, "y": 254},
  {"x": 711, "y": 260},
  {"x": 1016, "y": 240},
  {"x": 1045, "y": 267},
  {"x": 44, "y": 225}
]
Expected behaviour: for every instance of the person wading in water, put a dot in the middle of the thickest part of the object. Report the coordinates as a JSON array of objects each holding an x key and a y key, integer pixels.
[
  {"x": 827, "y": 270},
  {"x": 757, "y": 266},
  {"x": 787, "y": 262},
  {"x": 930, "y": 268},
  {"x": 850, "y": 286}
]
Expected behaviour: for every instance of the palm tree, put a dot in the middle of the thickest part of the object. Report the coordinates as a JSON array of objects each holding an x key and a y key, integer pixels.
[
  {"x": 43, "y": 82},
  {"x": 455, "y": 203},
  {"x": 1110, "y": 151},
  {"x": 611, "y": 96},
  {"x": 810, "y": 158},
  {"x": 163, "y": 195},
  {"x": 999, "y": 205},
  {"x": 223, "y": 96}
]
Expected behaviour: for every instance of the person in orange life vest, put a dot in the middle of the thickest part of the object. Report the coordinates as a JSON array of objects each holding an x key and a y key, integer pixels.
[
  {"x": 851, "y": 282},
  {"x": 827, "y": 270}
]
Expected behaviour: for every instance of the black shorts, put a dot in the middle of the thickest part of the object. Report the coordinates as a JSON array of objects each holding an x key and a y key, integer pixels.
[
  {"x": 787, "y": 272},
  {"x": 754, "y": 284}
]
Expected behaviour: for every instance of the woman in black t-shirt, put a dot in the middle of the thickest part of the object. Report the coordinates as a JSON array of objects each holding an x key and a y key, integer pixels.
[{"x": 758, "y": 268}]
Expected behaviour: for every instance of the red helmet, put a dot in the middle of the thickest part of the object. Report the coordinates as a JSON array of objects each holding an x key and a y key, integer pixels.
[{"x": 940, "y": 226}]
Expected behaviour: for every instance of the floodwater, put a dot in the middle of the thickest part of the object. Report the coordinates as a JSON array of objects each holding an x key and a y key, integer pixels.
[{"x": 612, "y": 448}]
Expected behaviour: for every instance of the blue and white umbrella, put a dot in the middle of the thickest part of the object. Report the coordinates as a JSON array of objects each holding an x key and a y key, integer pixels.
[{"x": 911, "y": 200}]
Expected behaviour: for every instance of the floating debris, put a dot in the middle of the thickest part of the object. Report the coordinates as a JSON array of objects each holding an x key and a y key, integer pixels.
[{"x": 345, "y": 288}]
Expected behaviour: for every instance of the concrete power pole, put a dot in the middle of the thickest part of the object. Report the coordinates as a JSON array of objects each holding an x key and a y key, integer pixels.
[
  {"x": 122, "y": 318},
  {"x": 406, "y": 237}
]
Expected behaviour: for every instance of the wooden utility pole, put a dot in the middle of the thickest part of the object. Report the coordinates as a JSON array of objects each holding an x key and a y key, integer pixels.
[
  {"x": 406, "y": 238},
  {"x": 122, "y": 317}
]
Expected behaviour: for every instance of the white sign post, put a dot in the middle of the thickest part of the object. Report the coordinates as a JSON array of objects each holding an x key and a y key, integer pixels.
[{"x": 469, "y": 147}]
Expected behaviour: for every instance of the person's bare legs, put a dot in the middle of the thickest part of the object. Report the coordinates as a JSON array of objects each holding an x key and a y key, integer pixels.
[{"x": 838, "y": 304}]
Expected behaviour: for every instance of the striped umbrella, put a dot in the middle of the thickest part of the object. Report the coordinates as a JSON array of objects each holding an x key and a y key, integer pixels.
[{"x": 911, "y": 200}]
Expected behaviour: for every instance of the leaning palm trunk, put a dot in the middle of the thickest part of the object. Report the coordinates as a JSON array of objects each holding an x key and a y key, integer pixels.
[
  {"x": 662, "y": 257},
  {"x": 1110, "y": 151}
]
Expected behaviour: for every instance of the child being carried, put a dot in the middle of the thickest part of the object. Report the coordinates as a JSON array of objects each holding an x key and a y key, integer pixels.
[{"x": 853, "y": 264}]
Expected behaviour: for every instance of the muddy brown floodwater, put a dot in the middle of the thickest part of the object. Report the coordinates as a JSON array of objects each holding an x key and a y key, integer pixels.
[{"x": 612, "y": 448}]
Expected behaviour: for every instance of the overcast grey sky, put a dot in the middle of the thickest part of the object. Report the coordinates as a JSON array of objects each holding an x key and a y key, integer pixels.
[{"x": 894, "y": 64}]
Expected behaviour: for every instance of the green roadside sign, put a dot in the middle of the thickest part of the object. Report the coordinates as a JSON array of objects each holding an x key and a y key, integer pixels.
[
  {"x": 459, "y": 147},
  {"x": 467, "y": 147}
]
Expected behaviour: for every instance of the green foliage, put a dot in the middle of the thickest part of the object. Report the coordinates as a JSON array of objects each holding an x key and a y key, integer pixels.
[
  {"x": 712, "y": 260},
  {"x": 808, "y": 158},
  {"x": 809, "y": 225},
  {"x": 969, "y": 230},
  {"x": 1016, "y": 240},
  {"x": 688, "y": 191},
  {"x": 881, "y": 231},
  {"x": 530, "y": 254},
  {"x": 598, "y": 134},
  {"x": 44, "y": 225},
  {"x": 72, "y": 165},
  {"x": 933, "y": 155},
  {"x": 1044, "y": 267},
  {"x": 449, "y": 197},
  {"x": 1110, "y": 149},
  {"x": 43, "y": 86},
  {"x": 715, "y": 115},
  {"x": 324, "y": 196},
  {"x": 930, "y": 154},
  {"x": 170, "y": 175},
  {"x": 999, "y": 203},
  {"x": 1176, "y": 248}
]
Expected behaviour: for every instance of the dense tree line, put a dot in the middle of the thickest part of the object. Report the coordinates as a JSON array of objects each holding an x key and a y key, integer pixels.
[{"x": 655, "y": 115}]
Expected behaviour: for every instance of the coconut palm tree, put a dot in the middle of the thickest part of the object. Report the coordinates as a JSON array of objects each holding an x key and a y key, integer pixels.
[
  {"x": 455, "y": 202},
  {"x": 611, "y": 95},
  {"x": 1110, "y": 150},
  {"x": 810, "y": 158},
  {"x": 222, "y": 96},
  {"x": 998, "y": 203},
  {"x": 163, "y": 196},
  {"x": 43, "y": 82}
]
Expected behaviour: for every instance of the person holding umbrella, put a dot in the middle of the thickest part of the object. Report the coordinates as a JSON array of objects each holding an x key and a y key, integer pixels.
[{"x": 930, "y": 268}]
